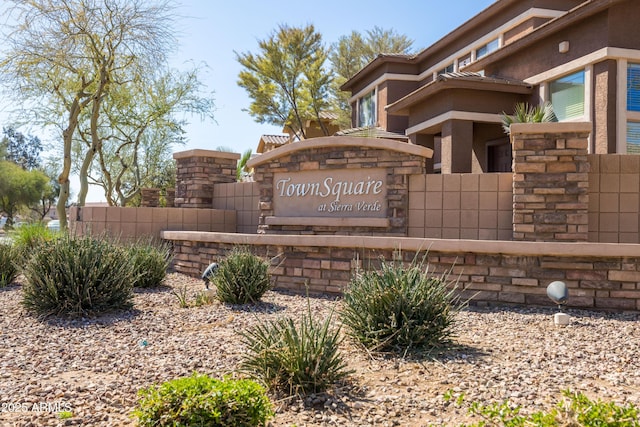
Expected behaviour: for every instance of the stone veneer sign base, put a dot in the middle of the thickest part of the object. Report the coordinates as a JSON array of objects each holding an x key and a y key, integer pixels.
[
  {"x": 331, "y": 205},
  {"x": 337, "y": 185}
]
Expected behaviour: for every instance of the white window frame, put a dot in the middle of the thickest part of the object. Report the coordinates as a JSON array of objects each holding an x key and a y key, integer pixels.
[
  {"x": 486, "y": 46},
  {"x": 586, "y": 93}
]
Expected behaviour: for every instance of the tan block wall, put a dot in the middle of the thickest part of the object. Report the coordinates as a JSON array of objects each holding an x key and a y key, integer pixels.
[
  {"x": 614, "y": 198},
  {"x": 461, "y": 206},
  {"x": 148, "y": 222},
  {"x": 242, "y": 197}
]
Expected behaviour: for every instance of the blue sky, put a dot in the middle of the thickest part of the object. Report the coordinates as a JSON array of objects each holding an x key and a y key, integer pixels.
[
  {"x": 213, "y": 30},
  {"x": 210, "y": 31}
]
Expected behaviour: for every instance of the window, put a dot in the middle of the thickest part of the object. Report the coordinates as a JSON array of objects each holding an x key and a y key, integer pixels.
[
  {"x": 447, "y": 69},
  {"x": 487, "y": 48},
  {"x": 464, "y": 61},
  {"x": 367, "y": 109},
  {"x": 567, "y": 96},
  {"x": 633, "y": 87},
  {"x": 633, "y": 137}
]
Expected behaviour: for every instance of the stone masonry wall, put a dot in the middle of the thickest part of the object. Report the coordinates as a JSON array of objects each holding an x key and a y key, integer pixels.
[
  {"x": 490, "y": 274},
  {"x": 550, "y": 182},
  {"x": 197, "y": 171}
]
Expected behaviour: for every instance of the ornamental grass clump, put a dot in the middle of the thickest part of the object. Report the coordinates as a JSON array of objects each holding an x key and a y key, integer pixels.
[
  {"x": 150, "y": 263},
  {"x": 27, "y": 238},
  {"x": 400, "y": 308},
  {"x": 199, "y": 400},
  {"x": 78, "y": 276},
  {"x": 8, "y": 269},
  {"x": 242, "y": 277},
  {"x": 295, "y": 357}
]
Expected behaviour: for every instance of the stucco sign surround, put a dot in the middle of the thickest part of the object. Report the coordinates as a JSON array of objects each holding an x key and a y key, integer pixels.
[{"x": 348, "y": 193}]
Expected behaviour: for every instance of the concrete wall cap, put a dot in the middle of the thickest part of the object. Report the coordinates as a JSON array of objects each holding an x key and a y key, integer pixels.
[
  {"x": 341, "y": 142},
  {"x": 554, "y": 127},
  {"x": 576, "y": 249},
  {"x": 206, "y": 153}
]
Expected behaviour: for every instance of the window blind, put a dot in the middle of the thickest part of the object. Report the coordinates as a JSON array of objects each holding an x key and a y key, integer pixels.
[
  {"x": 633, "y": 87},
  {"x": 633, "y": 137},
  {"x": 567, "y": 96}
]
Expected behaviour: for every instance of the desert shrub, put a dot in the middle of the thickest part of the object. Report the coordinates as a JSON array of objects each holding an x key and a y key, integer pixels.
[
  {"x": 294, "y": 357},
  {"x": 8, "y": 269},
  {"x": 150, "y": 263},
  {"x": 242, "y": 277},
  {"x": 76, "y": 276},
  {"x": 29, "y": 237},
  {"x": 199, "y": 400},
  {"x": 575, "y": 409},
  {"x": 399, "y": 308}
]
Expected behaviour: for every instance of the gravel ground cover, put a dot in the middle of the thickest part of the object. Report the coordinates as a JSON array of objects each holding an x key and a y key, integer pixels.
[{"x": 93, "y": 368}]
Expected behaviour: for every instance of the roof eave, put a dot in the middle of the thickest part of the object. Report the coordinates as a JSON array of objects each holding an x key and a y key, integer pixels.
[
  {"x": 578, "y": 13},
  {"x": 375, "y": 63},
  {"x": 485, "y": 14},
  {"x": 402, "y": 106}
]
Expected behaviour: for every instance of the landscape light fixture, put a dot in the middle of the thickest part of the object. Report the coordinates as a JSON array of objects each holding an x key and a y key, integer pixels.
[
  {"x": 559, "y": 293},
  {"x": 207, "y": 275}
]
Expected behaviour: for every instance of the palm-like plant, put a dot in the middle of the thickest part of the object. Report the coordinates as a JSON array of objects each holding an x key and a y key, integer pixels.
[
  {"x": 242, "y": 169},
  {"x": 526, "y": 113}
]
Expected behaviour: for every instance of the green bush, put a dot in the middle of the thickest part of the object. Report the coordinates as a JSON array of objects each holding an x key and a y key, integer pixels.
[
  {"x": 150, "y": 263},
  {"x": 28, "y": 237},
  {"x": 399, "y": 308},
  {"x": 199, "y": 400},
  {"x": 8, "y": 269},
  {"x": 77, "y": 276},
  {"x": 575, "y": 409},
  {"x": 295, "y": 358},
  {"x": 242, "y": 277}
]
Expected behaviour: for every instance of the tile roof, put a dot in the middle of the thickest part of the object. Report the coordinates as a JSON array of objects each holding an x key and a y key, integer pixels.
[
  {"x": 328, "y": 115},
  {"x": 275, "y": 139},
  {"x": 477, "y": 77},
  {"x": 371, "y": 132}
]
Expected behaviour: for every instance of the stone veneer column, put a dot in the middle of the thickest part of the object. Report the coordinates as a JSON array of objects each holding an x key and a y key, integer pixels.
[
  {"x": 550, "y": 182},
  {"x": 197, "y": 171},
  {"x": 149, "y": 197}
]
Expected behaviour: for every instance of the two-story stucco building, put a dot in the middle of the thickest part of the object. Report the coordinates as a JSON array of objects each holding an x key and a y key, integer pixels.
[{"x": 582, "y": 56}]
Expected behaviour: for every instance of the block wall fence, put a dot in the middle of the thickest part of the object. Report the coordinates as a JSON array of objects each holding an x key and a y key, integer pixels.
[{"x": 562, "y": 215}]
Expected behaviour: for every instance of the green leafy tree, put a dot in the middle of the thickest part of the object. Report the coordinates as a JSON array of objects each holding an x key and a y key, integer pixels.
[
  {"x": 20, "y": 149},
  {"x": 19, "y": 188},
  {"x": 24, "y": 151},
  {"x": 287, "y": 80},
  {"x": 64, "y": 59},
  {"x": 50, "y": 193},
  {"x": 140, "y": 126},
  {"x": 351, "y": 53}
]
